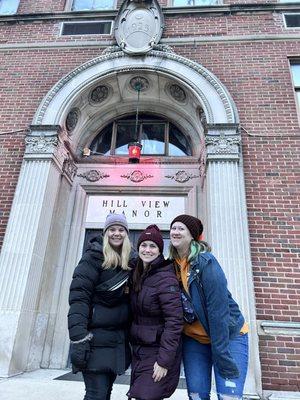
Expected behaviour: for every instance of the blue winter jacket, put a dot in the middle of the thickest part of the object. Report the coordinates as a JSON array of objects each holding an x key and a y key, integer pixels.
[{"x": 216, "y": 310}]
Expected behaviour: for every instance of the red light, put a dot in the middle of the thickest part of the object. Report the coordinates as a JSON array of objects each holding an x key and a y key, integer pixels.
[{"x": 134, "y": 150}]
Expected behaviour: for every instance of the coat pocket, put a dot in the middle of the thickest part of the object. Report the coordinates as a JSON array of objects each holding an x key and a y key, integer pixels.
[{"x": 144, "y": 334}]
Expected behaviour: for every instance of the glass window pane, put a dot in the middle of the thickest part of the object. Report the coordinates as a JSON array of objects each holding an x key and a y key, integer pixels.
[
  {"x": 206, "y": 2},
  {"x": 102, "y": 143},
  {"x": 103, "y": 4},
  {"x": 178, "y": 143},
  {"x": 153, "y": 139},
  {"x": 82, "y": 5},
  {"x": 8, "y": 7},
  {"x": 125, "y": 135},
  {"x": 298, "y": 98},
  {"x": 92, "y": 5},
  {"x": 296, "y": 74},
  {"x": 183, "y": 3}
]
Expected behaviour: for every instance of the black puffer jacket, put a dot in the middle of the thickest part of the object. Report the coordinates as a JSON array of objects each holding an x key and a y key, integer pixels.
[{"x": 103, "y": 313}]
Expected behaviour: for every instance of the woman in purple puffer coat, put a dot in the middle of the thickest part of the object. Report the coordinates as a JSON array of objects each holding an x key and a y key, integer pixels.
[{"x": 157, "y": 322}]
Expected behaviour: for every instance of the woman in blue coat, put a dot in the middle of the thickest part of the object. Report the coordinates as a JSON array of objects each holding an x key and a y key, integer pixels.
[
  {"x": 157, "y": 321},
  {"x": 215, "y": 333}
]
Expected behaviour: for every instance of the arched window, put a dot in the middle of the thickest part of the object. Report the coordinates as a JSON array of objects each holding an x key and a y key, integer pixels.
[{"x": 158, "y": 137}]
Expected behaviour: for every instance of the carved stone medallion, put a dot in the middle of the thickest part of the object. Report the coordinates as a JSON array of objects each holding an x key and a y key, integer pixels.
[
  {"x": 136, "y": 176},
  {"x": 139, "y": 83},
  {"x": 177, "y": 93},
  {"x": 99, "y": 94},
  {"x": 139, "y": 26},
  {"x": 93, "y": 175},
  {"x": 72, "y": 119},
  {"x": 182, "y": 176}
]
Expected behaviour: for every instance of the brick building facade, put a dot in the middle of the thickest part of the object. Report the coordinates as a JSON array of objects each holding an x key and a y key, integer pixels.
[{"x": 242, "y": 175}]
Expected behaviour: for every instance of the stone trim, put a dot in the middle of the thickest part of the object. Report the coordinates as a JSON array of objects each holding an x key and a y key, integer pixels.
[
  {"x": 280, "y": 395},
  {"x": 275, "y": 328},
  {"x": 175, "y": 41},
  {"x": 207, "y": 75},
  {"x": 213, "y": 9}
]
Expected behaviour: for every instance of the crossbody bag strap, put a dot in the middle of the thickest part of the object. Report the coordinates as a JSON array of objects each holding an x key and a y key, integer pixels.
[{"x": 113, "y": 283}]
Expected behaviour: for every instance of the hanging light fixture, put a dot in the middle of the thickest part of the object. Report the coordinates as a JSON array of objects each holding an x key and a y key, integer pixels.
[{"x": 134, "y": 148}]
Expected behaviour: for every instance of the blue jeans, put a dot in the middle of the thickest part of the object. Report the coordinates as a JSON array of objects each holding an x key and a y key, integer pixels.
[{"x": 197, "y": 361}]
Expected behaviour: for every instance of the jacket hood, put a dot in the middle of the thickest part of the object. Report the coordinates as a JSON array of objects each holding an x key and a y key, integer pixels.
[{"x": 95, "y": 247}]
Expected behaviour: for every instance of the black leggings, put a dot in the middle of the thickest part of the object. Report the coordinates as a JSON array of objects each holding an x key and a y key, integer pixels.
[{"x": 98, "y": 386}]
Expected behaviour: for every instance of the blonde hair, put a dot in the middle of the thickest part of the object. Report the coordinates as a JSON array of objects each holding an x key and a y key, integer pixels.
[
  {"x": 112, "y": 258},
  {"x": 196, "y": 247}
]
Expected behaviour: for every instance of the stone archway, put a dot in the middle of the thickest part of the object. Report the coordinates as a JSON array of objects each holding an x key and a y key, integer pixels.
[{"x": 49, "y": 169}]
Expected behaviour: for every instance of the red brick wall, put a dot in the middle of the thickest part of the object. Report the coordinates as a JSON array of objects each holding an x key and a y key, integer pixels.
[
  {"x": 257, "y": 75},
  {"x": 280, "y": 366}
]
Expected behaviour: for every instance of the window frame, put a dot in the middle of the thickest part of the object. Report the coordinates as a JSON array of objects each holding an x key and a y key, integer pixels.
[
  {"x": 112, "y": 152},
  {"x": 295, "y": 87},
  {"x": 284, "y": 20},
  {"x": 69, "y": 6},
  {"x": 216, "y": 3},
  {"x": 17, "y": 7},
  {"x": 143, "y": 121},
  {"x": 87, "y": 22}
]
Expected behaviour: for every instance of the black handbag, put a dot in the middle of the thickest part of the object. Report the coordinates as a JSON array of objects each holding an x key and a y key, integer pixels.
[{"x": 188, "y": 311}]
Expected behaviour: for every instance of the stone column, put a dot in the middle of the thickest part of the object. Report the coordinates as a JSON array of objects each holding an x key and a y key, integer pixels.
[
  {"x": 22, "y": 256},
  {"x": 228, "y": 230}
]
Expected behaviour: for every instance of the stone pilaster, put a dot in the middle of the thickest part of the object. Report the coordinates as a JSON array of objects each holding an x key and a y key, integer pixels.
[
  {"x": 228, "y": 228},
  {"x": 23, "y": 252}
]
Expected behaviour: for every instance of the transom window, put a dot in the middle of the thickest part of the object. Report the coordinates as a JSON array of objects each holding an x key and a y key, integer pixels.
[
  {"x": 87, "y": 5},
  {"x": 295, "y": 68},
  {"x": 8, "y": 7},
  {"x": 186, "y": 3},
  {"x": 158, "y": 137}
]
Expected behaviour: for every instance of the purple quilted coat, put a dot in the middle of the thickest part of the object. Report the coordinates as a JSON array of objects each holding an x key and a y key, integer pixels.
[{"x": 156, "y": 332}]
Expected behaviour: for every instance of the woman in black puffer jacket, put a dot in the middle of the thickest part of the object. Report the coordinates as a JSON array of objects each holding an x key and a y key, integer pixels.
[{"x": 98, "y": 318}]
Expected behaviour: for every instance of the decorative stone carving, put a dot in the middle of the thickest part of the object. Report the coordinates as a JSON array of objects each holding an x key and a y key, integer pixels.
[
  {"x": 139, "y": 26},
  {"x": 223, "y": 145},
  {"x": 177, "y": 93},
  {"x": 136, "y": 176},
  {"x": 99, "y": 94},
  {"x": 139, "y": 83},
  {"x": 72, "y": 119},
  {"x": 182, "y": 176},
  {"x": 69, "y": 168},
  {"x": 202, "y": 116},
  {"x": 113, "y": 52},
  {"x": 40, "y": 144},
  {"x": 93, "y": 175}
]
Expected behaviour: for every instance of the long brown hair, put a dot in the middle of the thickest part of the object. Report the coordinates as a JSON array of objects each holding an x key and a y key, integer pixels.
[{"x": 139, "y": 274}]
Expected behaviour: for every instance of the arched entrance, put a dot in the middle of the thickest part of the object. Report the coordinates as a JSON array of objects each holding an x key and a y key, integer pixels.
[{"x": 209, "y": 183}]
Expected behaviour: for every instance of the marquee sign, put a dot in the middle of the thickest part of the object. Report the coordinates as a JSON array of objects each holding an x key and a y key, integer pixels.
[{"x": 137, "y": 209}]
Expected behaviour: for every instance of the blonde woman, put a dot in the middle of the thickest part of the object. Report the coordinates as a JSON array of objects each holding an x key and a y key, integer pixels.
[{"x": 98, "y": 318}]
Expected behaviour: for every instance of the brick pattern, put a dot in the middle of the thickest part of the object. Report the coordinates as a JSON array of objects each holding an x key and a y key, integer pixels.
[
  {"x": 280, "y": 357},
  {"x": 175, "y": 26},
  {"x": 257, "y": 76}
]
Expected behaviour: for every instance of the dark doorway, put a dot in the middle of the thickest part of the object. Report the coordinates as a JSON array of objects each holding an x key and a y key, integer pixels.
[{"x": 133, "y": 235}]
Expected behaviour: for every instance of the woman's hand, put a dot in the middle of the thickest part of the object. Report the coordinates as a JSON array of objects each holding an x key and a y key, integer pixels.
[{"x": 158, "y": 372}]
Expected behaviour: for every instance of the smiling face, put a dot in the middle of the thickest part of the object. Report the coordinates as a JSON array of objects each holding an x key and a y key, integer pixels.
[
  {"x": 148, "y": 252},
  {"x": 116, "y": 235},
  {"x": 180, "y": 237}
]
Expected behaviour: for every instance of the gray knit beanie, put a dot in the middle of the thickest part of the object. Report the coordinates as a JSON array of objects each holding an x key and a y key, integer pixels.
[{"x": 115, "y": 219}]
